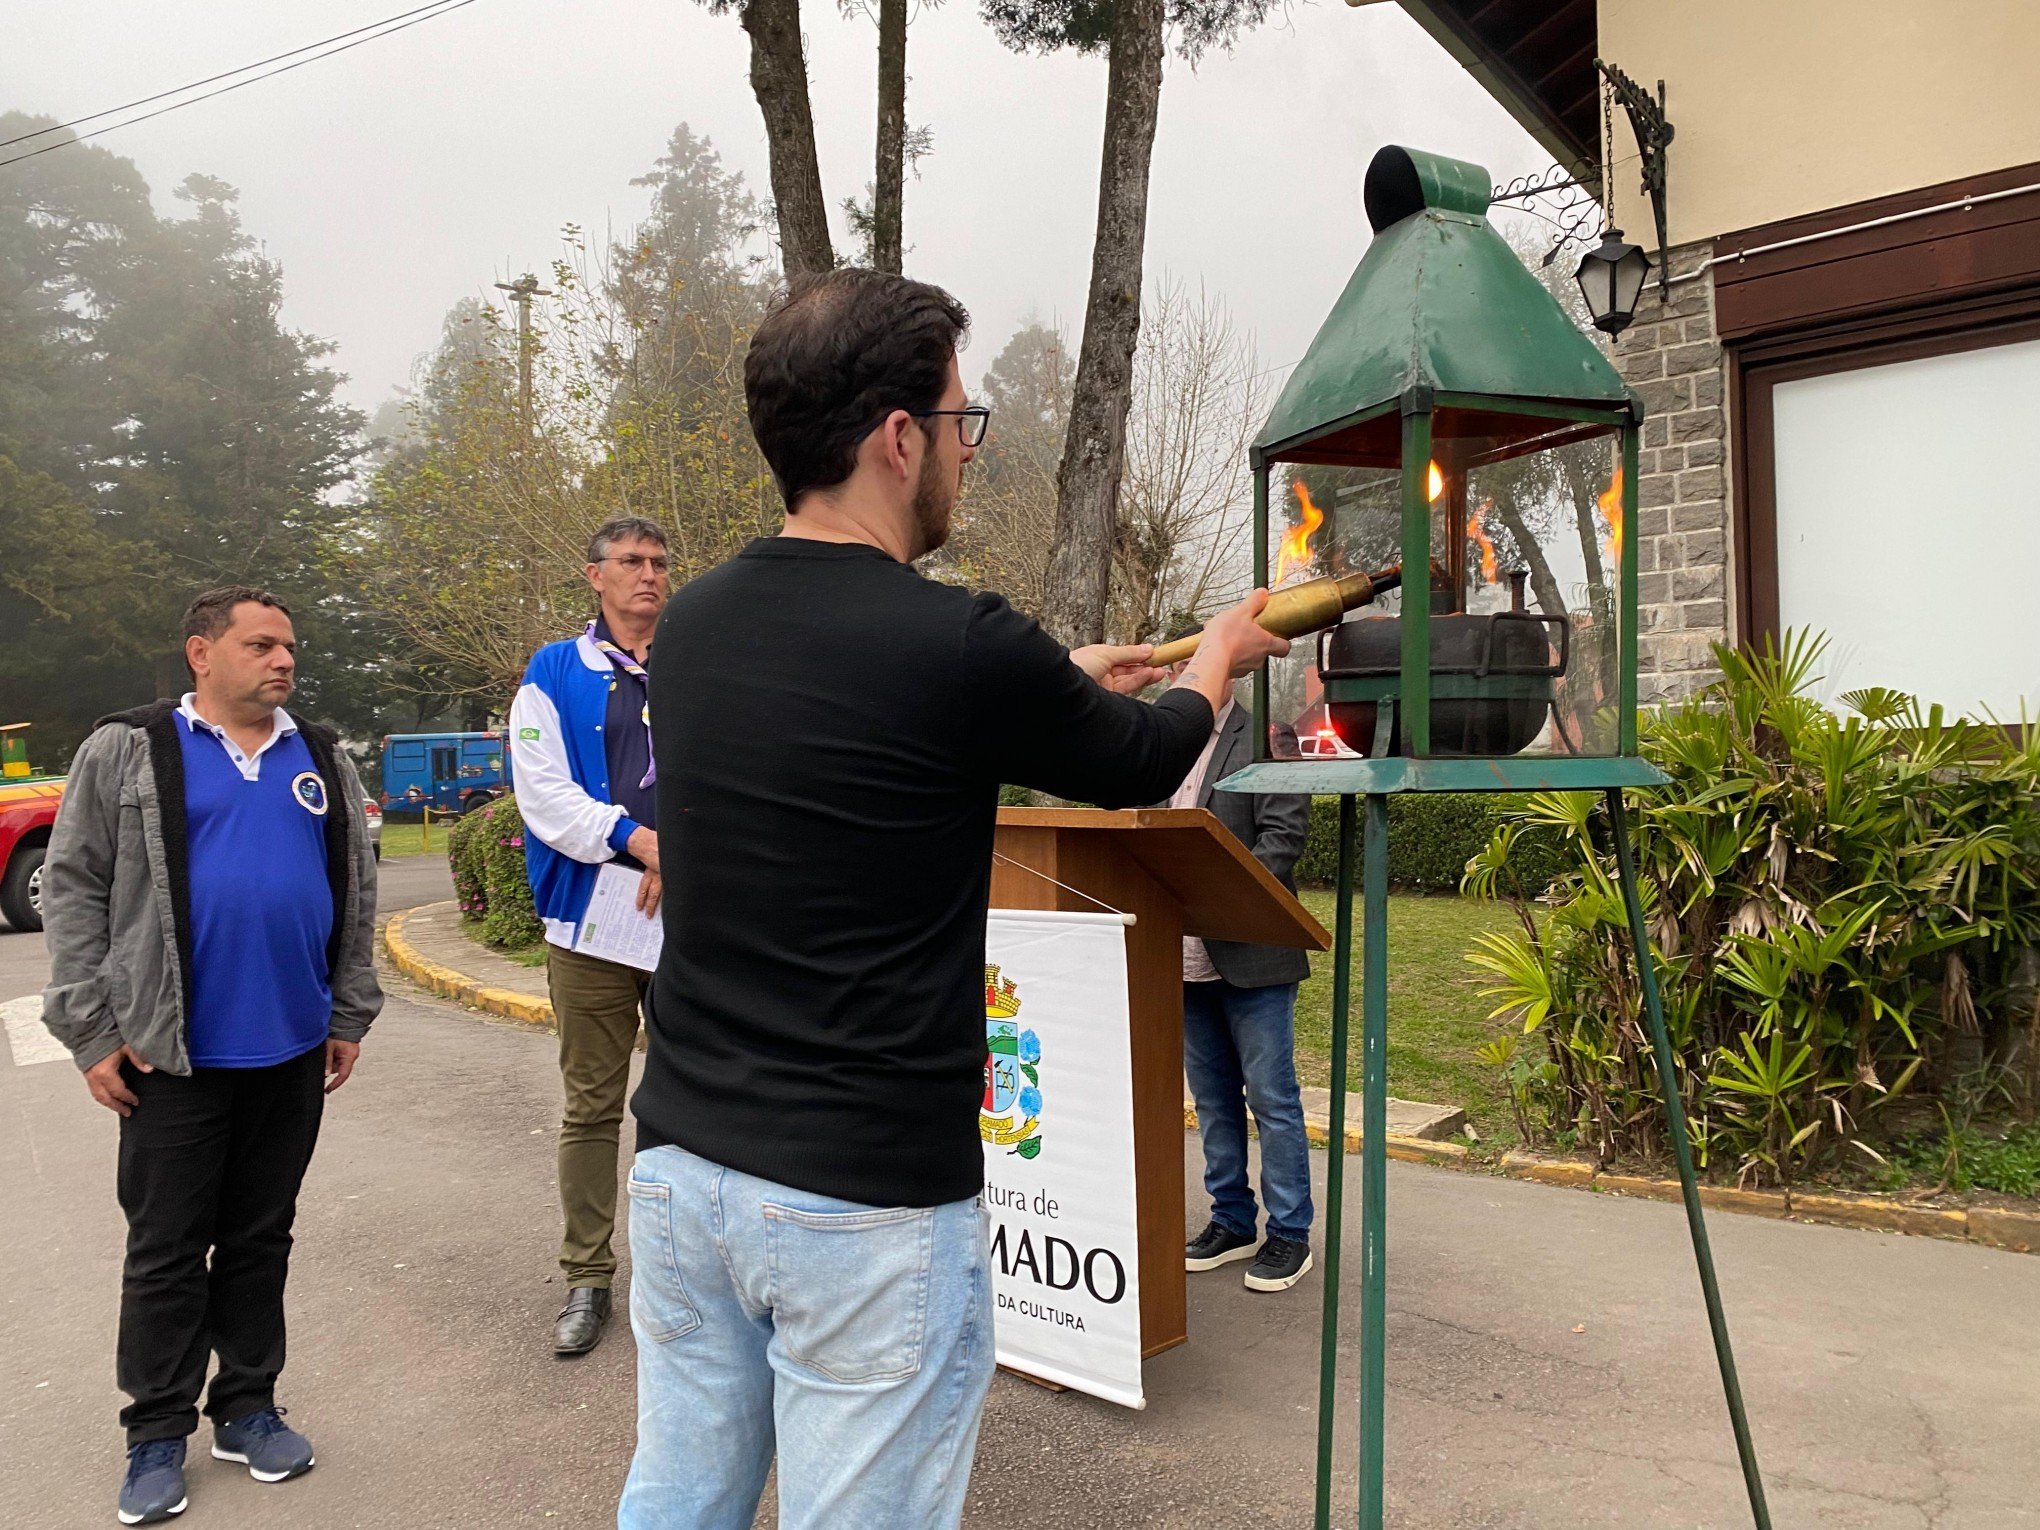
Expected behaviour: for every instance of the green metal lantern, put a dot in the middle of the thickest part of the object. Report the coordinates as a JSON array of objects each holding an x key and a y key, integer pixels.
[{"x": 1453, "y": 434}]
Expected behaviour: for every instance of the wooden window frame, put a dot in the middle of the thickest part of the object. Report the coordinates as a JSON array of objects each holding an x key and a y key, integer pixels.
[
  {"x": 1756, "y": 370},
  {"x": 1957, "y": 280}
]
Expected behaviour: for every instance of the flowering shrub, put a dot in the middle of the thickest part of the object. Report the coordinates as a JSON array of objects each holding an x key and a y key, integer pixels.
[{"x": 487, "y": 859}]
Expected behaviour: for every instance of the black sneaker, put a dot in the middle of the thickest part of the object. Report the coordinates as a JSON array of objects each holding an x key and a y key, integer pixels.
[
  {"x": 154, "y": 1489},
  {"x": 1217, "y": 1245},
  {"x": 1281, "y": 1265}
]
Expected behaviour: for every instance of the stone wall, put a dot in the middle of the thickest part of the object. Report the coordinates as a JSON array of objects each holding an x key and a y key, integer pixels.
[{"x": 1672, "y": 357}]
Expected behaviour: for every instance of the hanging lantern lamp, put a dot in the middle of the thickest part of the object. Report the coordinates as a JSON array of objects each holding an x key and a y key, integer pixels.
[{"x": 1611, "y": 279}]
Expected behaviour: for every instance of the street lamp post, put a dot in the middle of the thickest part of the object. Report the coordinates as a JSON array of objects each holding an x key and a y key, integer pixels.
[{"x": 522, "y": 291}]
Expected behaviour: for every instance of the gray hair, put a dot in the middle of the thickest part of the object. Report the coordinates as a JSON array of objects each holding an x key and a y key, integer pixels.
[{"x": 623, "y": 528}]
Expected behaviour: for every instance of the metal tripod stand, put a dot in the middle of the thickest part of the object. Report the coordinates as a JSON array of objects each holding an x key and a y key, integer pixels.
[{"x": 1373, "y": 846}]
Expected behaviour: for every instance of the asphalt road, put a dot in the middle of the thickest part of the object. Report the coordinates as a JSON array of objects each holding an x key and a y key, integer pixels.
[{"x": 1548, "y": 1358}]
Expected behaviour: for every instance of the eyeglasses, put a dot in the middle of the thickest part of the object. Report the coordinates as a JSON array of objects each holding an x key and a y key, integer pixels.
[
  {"x": 971, "y": 423},
  {"x": 630, "y": 563}
]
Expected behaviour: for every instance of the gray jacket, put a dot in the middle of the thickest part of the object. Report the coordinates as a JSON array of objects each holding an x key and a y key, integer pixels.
[
  {"x": 1273, "y": 826},
  {"x": 117, "y": 894}
]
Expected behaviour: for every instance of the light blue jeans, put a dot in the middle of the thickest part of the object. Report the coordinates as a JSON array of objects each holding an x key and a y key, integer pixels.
[{"x": 857, "y": 1340}]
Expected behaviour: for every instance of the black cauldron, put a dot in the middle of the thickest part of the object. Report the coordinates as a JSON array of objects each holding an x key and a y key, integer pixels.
[{"x": 1492, "y": 678}]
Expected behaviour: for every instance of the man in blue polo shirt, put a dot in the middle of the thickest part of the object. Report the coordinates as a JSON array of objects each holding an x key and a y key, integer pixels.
[
  {"x": 209, "y": 901},
  {"x": 581, "y": 733}
]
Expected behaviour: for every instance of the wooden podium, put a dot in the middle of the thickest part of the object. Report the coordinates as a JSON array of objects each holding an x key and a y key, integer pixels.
[{"x": 1178, "y": 873}]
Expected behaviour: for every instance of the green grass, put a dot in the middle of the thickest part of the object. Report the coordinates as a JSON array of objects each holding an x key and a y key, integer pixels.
[
  {"x": 400, "y": 839},
  {"x": 1969, "y": 1159},
  {"x": 532, "y": 955},
  {"x": 1436, "y": 1016}
]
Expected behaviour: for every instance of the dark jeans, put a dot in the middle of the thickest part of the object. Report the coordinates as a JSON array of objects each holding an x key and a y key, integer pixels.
[
  {"x": 209, "y": 1164},
  {"x": 1239, "y": 1051}
]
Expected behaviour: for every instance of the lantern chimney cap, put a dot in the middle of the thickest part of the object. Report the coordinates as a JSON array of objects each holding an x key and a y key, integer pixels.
[
  {"x": 1403, "y": 181},
  {"x": 1440, "y": 302}
]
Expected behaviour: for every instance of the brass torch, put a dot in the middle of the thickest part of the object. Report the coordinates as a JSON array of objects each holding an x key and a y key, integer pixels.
[{"x": 1300, "y": 608}]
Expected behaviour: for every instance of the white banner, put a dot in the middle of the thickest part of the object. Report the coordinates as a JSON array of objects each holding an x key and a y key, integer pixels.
[{"x": 1057, "y": 1124}]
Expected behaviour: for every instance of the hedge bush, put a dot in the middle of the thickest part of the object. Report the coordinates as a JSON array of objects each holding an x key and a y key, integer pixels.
[
  {"x": 1431, "y": 837},
  {"x": 486, "y": 853}
]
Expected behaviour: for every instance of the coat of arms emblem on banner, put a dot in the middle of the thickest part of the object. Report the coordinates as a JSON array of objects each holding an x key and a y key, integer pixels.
[{"x": 1011, "y": 1115}]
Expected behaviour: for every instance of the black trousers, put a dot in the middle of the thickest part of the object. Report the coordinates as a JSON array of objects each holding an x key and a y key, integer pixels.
[{"x": 210, "y": 1165}]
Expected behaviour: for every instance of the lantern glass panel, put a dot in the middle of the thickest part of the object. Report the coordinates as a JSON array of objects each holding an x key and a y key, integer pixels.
[
  {"x": 1629, "y": 273},
  {"x": 1325, "y": 520},
  {"x": 1596, "y": 278},
  {"x": 1544, "y": 541},
  {"x": 1524, "y": 592}
]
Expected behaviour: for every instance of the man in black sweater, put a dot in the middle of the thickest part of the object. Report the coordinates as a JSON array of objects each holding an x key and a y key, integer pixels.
[{"x": 832, "y": 729}]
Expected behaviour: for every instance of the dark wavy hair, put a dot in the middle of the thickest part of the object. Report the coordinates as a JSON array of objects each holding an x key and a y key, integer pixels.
[
  {"x": 836, "y": 352},
  {"x": 213, "y": 612}
]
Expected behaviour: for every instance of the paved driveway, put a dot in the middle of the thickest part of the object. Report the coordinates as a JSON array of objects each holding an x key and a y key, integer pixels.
[{"x": 1894, "y": 1383}]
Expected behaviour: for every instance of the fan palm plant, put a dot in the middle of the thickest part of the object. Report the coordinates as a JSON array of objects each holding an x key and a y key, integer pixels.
[{"x": 1827, "y": 893}]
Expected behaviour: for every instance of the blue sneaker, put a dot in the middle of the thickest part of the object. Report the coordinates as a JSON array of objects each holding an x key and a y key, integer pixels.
[
  {"x": 154, "y": 1489},
  {"x": 270, "y": 1449}
]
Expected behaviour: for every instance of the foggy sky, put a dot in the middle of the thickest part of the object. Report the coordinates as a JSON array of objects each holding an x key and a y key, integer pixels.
[{"x": 410, "y": 172}]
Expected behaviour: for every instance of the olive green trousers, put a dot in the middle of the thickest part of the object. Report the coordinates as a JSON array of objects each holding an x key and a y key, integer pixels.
[{"x": 597, "y": 1005}]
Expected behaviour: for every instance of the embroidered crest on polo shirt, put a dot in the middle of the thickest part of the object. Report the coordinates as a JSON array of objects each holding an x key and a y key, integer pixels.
[{"x": 310, "y": 792}]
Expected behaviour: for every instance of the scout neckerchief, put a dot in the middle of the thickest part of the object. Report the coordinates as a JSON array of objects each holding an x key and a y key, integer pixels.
[{"x": 623, "y": 661}]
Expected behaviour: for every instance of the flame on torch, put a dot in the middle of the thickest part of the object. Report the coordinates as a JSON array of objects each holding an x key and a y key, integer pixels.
[
  {"x": 1610, "y": 502},
  {"x": 1294, "y": 555},
  {"x": 1490, "y": 563}
]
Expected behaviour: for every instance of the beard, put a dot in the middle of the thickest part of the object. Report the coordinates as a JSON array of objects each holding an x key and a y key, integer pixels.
[{"x": 934, "y": 502}]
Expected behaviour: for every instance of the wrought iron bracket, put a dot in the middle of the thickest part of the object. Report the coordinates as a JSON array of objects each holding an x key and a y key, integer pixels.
[
  {"x": 1574, "y": 207},
  {"x": 1653, "y": 137}
]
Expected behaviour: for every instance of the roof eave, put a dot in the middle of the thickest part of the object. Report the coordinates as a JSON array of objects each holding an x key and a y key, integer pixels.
[{"x": 1515, "y": 96}]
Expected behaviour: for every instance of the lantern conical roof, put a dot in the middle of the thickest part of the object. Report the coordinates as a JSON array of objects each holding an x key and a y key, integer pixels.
[{"x": 1438, "y": 302}]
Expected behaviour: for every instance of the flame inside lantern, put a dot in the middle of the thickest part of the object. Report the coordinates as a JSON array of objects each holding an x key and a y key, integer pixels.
[
  {"x": 1490, "y": 563},
  {"x": 1436, "y": 481},
  {"x": 1294, "y": 555},
  {"x": 1610, "y": 502}
]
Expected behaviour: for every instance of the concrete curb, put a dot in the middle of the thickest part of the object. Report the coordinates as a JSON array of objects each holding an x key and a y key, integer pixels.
[
  {"x": 1319, "y": 1130},
  {"x": 458, "y": 986},
  {"x": 2017, "y": 1232}
]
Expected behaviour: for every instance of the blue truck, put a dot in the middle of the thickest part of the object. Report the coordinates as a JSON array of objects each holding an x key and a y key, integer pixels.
[{"x": 447, "y": 772}]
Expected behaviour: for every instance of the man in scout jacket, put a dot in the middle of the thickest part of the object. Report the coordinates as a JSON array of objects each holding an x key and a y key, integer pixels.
[
  {"x": 581, "y": 736},
  {"x": 209, "y": 902}
]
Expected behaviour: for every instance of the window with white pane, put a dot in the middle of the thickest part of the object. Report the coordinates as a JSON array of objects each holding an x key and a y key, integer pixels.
[{"x": 1908, "y": 525}]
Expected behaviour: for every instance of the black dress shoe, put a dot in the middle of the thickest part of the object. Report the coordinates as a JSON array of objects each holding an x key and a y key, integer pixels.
[{"x": 579, "y": 1328}]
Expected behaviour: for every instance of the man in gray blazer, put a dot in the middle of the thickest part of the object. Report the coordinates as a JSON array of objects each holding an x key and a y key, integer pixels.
[{"x": 1239, "y": 1038}]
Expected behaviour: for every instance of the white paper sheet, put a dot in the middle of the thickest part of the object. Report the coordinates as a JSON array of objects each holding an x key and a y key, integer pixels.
[{"x": 613, "y": 929}]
